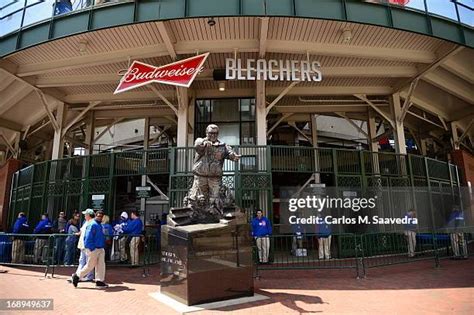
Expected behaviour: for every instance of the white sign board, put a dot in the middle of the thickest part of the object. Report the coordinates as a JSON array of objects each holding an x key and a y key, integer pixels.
[{"x": 143, "y": 188}]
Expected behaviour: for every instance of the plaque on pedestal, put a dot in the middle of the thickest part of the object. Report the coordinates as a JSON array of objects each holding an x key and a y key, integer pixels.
[{"x": 203, "y": 263}]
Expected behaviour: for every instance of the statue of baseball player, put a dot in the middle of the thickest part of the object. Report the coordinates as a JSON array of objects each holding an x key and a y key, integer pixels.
[{"x": 208, "y": 162}]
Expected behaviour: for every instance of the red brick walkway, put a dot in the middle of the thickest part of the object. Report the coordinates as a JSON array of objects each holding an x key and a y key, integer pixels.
[{"x": 402, "y": 289}]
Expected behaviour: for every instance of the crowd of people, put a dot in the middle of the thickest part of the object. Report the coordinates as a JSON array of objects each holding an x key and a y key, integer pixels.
[
  {"x": 76, "y": 240},
  {"x": 112, "y": 239}
]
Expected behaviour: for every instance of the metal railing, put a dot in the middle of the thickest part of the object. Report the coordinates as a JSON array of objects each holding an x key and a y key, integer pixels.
[
  {"x": 52, "y": 251},
  {"x": 18, "y": 14},
  {"x": 358, "y": 252},
  {"x": 69, "y": 183},
  {"x": 456, "y": 10},
  {"x": 361, "y": 252}
]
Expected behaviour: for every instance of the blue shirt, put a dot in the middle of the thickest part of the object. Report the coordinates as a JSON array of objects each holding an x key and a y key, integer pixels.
[
  {"x": 323, "y": 230},
  {"x": 107, "y": 229},
  {"x": 21, "y": 226},
  {"x": 456, "y": 218},
  {"x": 298, "y": 231},
  {"x": 123, "y": 221},
  {"x": 94, "y": 236},
  {"x": 43, "y": 227},
  {"x": 261, "y": 227},
  {"x": 134, "y": 227},
  {"x": 410, "y": 226}
]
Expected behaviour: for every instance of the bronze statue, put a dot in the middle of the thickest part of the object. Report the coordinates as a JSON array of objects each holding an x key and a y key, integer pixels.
[{"x": 208, "y": 200}]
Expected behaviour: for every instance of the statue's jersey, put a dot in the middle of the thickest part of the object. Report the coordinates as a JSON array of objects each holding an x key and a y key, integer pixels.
[{"x": 209, "y": 161}]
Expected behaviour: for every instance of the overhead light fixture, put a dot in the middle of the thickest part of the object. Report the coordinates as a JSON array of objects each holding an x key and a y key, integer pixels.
[
  {"x": 82, "y": 46},
  {"x": 347, "y": 35},
  {"x": 222, "y": 86},
  {"x": 211, "y": 22}
]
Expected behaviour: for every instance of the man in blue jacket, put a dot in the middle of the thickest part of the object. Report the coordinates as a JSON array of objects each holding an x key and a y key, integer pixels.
[
  {"x": 455, "y": 224},
  {"x": 18, "y": 247},
  {"x": 261, "y": 231},
  {"x": 410, "y": 232},
  {"x": 134, "y": 230},
  {"x": 323, "y": 232},
  {"x": 43, "y": 227},
  {"x": 94, "y": 243}
]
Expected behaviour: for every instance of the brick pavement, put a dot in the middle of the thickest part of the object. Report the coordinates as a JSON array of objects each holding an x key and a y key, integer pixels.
[{"x": 402, "y": 289}]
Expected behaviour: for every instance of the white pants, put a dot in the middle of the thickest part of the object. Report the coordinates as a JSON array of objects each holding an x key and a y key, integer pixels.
[
  {"x": 123, "y": 247},
  {"x": 95, "y": 259},
  {"x": 324, "y": 246},
  {"x": 411, "y": 240},
  {"x": 134, "y": 255},
  {"x": 263, "y": 246},
  {"x": 457, "y": 239},
  {"x": 40, "y": 244}
]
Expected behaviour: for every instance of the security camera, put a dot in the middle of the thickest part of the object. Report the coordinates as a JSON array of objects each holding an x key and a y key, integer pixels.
[{"x": 211, "y": 22}]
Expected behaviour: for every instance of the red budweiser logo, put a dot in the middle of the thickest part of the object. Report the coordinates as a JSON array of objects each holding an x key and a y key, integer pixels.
[{"x": 179, "y": 73}]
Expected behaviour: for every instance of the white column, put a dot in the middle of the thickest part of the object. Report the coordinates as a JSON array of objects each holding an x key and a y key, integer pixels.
[
  {"x": 314, "y": 137},
  {"x": 314, "y": 130},
  {"x": 372, "y": 131},
  {"x": 423, "y": 149},
  {"x": 373, "y": 144},
  {"x": 58, "y": 143},
  {"x": 90, "y": 128},
  {"x": 399, "y": 133},
  {"x": 191, "y": 109},
  {"x": 49, "y": 150},
  {"x": 260, "y": 113},
  {"x": 146, "y": 142},
  {"x": 182, "y": 116},
  {"x": 16, "y": 145},
  {"x": 454, "y": 133}
]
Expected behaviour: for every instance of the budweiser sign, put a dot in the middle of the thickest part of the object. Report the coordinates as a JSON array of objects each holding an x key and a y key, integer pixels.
[{"x": 179, "y": 73}]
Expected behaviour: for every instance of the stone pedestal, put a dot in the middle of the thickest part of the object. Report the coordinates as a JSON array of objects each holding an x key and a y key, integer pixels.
[{"x": 204, "y": 263}]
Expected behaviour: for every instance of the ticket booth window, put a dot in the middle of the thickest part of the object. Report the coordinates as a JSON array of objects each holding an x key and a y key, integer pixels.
[{"x": 235, "y": 118}]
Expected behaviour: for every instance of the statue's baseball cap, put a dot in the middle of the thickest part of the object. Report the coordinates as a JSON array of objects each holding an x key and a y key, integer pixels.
[{"x": 88, "y": 211}]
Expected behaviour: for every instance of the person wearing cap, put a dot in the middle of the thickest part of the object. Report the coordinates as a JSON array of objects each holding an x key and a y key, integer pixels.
[
  {"x": 82, "y": 248},
  {"x": 94, "y": 243},
  {"x": 122, "y": 239}
]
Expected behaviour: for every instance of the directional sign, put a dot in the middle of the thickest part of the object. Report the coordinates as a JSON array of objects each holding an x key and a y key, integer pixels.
[{"x": 143, "y": 191}]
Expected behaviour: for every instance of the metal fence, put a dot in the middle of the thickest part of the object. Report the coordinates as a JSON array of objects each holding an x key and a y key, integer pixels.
[
  {"x": 68, "y": 184},
  {"x": 51, "y": 251},
  {"x": 432, "y": 186},
  {"x": 18, "y": 14},
  {"x": 360, "y": 252}
]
